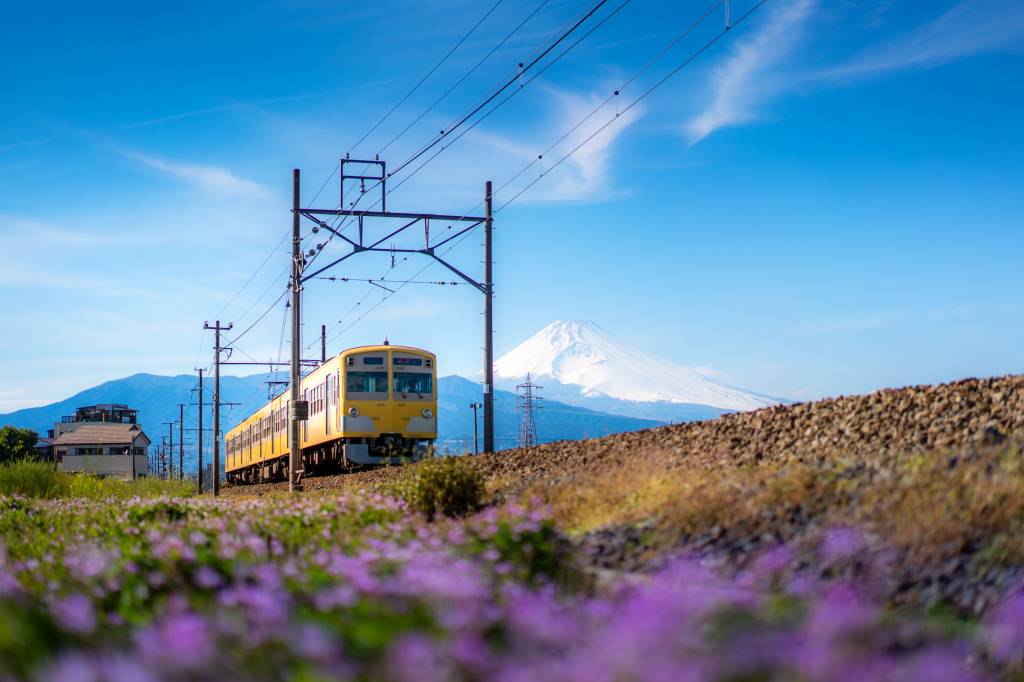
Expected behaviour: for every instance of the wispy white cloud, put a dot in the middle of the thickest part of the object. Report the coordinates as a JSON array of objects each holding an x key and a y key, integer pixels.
[
  {"x": 742, "y": 82},
  {"x": 18, "y": 276},
  {"x": 834, "y": 326},
  {"x": 29, "y": 234},
  {"x": 213, "y": 179},
  {"x": 584, "y": 175},
  {"x": 760, "y": 69},
  {"x": 968, "y": 28}
]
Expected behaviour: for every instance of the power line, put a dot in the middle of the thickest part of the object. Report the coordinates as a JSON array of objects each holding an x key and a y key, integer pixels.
[
  {"x": 533, "y": 59},
  {"x": 465, "y": 76},
  {"x": 639, "y": 99},
  {"x": 388, "y": 281},
  {"x": 428, "y": 75},
  {"x": 690, "y": 58},
  {"x": 258, "y": 319},
  {"x": 512, "y": 94},
  {"x": 500, "y": 90},
  {"x": 565, "y": 32},
  {"x": 253, "y": 275}
]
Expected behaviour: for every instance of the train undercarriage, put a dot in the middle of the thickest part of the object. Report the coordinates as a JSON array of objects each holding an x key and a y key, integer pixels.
[{"x": 338, "y": 456}]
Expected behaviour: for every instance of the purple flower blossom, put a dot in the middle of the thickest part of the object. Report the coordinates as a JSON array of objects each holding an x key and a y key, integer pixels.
[
  {"x": 1005, "y": 629},
  {"x": 75, "y": 614},
  {"x": 180, "y": 641},
  {"x": 839, "y": 544}
]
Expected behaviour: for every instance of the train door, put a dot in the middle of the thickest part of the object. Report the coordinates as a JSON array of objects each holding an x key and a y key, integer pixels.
[{"x": 329, "y": 400}]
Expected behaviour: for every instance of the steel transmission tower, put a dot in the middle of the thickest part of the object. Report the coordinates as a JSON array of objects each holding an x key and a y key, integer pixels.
[{"x": 526, "y": 403}]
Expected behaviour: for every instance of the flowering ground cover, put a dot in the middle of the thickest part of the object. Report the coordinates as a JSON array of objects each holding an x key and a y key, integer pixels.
[{"x": 359, "y": 586}]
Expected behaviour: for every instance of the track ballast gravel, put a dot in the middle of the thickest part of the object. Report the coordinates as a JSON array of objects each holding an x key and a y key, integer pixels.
[{"x": 919, "y": 418}]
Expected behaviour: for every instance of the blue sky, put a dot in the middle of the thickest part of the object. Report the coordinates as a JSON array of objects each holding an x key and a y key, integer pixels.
[{"x": 828, "y": 200}]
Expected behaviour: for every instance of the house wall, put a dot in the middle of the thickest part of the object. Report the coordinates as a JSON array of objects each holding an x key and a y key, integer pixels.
[{"x": 114, "y": 466}]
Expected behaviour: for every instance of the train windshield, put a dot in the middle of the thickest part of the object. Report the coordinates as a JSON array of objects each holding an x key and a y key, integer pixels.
[
  {"x": 366, "y": 382},
  {"x": 414, "y": 385}
]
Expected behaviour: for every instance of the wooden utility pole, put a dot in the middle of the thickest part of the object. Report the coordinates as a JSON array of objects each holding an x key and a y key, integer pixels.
[
  {"x": 217, "y": 329},
  {"x": 323, "y": 344}
]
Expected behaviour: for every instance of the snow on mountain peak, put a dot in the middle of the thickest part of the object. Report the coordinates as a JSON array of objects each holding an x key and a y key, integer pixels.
[{"x": 580, "y": 353}]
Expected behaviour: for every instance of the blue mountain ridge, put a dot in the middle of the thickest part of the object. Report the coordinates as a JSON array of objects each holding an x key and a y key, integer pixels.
[{"x": 157, "y": 398}]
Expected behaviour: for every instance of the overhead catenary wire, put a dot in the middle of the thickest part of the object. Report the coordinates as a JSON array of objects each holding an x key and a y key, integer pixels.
[
  {"x": 539, "y": 53},
  {"x": 501, "y": 103},
  {"x": 466, "y": 75},
  {"x": 429, "y": 73},
  {"x": 533, "y": 62},
  {"x": 657, "y": 84},
  {"x": 390, "y": 281},
  {"x": 257, "y": 320},
  {"x": 615, "y": 93},
  {"x": 646, "y": 93},
  {"x": 339, "y": 223},
  {"x": 253, "y": 275}
]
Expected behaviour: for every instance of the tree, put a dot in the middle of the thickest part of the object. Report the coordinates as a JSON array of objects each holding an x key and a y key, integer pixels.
[{"x": 17, "y": 443}]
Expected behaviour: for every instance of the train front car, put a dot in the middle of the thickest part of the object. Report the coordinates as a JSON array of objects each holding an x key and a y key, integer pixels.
[
  {"x": 389, "y": 404},
  {"x": 368, "y": 406}
]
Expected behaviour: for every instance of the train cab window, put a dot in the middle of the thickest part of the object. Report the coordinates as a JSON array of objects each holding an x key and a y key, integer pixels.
[
  {"x": 413, "y": 377},
  {"x": 413, "y": 386},
  {"x": 366, "y": 382},
  {"x": 366, "y": 377}
]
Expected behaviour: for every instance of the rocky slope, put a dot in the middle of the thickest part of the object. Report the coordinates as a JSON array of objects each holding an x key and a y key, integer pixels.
[{"x": 917, "y": 418}]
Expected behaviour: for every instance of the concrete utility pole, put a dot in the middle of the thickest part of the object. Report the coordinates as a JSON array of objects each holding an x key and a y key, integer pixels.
[
  {"x": 217, "y": 329},
  {"x": 199, "y": 450},
  {"x": 298, "y": 409},
  {"x": 181, "y": 441},
  {"x": 488, "y": 324},
  {"x": 476, "y": 440},
  {"x": 170, "y": 449}
]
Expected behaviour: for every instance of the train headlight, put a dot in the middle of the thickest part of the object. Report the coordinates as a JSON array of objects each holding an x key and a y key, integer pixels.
[
  {"x": 353, "y": 411},
  {"x": 427, "y": 413}
]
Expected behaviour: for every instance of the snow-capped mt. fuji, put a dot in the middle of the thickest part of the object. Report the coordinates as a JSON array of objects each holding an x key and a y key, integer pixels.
[{"x": 583, "y": 356}]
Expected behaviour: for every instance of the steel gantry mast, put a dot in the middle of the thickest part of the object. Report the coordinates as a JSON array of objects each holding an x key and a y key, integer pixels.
[{"x": 375, "y": 171}]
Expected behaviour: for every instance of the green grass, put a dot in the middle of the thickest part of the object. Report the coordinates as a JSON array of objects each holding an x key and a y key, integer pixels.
[{"x": 41, "y": 480}]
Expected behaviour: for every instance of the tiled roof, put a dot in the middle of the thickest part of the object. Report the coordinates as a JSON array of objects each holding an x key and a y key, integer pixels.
[{"x": 100, "y": 433}]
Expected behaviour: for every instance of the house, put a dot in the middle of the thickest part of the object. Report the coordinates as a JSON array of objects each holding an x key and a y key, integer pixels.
[{"x": 104, "y": 440}]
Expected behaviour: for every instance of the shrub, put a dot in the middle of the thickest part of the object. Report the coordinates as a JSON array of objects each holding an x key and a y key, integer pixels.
[
  {"x": 17, "y": 444},
  {"x": 41, "y": 480},
  {"x": 33, "y": 479},
  {"x": 446, "y": 485}
]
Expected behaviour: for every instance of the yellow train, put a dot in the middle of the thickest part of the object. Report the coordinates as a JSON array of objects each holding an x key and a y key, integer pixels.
[{"x": 368, "y": 406}]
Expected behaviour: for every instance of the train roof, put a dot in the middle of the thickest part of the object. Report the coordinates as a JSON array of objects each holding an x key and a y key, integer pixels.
[{"x": 384, "y": 347}]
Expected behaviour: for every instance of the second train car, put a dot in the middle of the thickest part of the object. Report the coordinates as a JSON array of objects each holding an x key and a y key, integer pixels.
[{"x": 368, "y": 406}]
